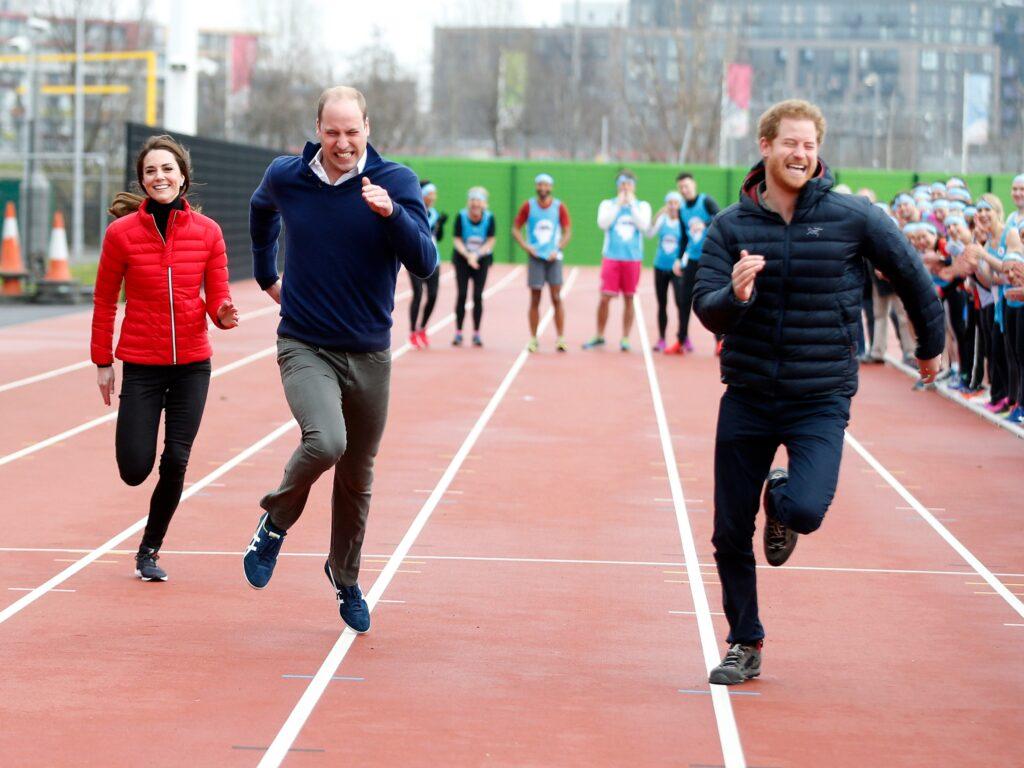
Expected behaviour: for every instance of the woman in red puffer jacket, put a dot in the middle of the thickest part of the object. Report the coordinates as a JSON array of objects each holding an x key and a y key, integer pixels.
[{"x": 162, "y": 251}]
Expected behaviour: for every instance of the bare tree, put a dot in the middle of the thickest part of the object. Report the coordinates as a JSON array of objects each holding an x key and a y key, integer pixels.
[
  {"x": 288, "y": 76},
  {"x": 390, "y": 94}
]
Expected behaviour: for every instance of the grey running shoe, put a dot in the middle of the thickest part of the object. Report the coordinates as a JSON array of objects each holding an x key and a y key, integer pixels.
[
  {"x": 779, "y": 541},
  {"x": 741, "y": 663},
  {"x": 146, "y": 567}
]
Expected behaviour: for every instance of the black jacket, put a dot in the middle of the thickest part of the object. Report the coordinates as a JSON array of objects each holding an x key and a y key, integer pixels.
[{"x": 797, "y": 336}]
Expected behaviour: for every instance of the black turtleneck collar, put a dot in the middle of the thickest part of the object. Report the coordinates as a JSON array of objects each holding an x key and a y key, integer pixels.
[{"x": 162, "y": 212}]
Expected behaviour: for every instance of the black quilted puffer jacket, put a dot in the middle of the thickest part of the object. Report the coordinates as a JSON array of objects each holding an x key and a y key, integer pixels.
[{"x": 797, "y": 336}]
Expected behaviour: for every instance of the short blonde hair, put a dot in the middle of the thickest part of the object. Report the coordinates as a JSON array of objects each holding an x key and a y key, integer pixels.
[
  {"x": 338, "y": 93},
  {"x": 794, "y": 109}
]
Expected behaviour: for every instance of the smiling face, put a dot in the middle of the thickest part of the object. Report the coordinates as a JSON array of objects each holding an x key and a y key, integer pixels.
[
  {"x": 1017, "y": 192},
  {"x": 687, "y": 188},
  {"x": 343, "y": 133},
  {"x": 791, "y": 158},
  {"x": 543, "y": 189},
  {"x": 161, "y": 177}
]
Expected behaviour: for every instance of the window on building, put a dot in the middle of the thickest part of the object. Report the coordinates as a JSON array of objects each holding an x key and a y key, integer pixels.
[{"x": 929, "y": 60}]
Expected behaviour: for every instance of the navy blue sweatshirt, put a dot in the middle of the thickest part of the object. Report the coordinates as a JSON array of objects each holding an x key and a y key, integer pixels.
[{"x": 341, "y": 258}]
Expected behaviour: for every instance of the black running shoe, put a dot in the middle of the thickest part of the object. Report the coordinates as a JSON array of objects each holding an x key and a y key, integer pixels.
[
  {"x": 741, "y": 663},
  {"x": 146, "y": 567},
  {"x": 779, "y": 541}
]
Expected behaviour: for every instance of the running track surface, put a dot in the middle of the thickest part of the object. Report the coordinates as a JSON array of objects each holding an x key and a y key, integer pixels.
[{"x": 543, "y": 614}]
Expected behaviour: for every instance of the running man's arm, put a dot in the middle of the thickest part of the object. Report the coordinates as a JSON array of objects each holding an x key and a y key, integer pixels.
[
  {"x": 264, "y": 230},
  {"x": 714, "y": 300},
  {"x": 407, "y": 226},
  {"x": 888, "y": 251}
]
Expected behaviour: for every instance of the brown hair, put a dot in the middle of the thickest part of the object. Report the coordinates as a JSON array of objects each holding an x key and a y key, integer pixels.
[
  {"x": 794, "y": 109},
  {"x": 127, "y": 202},
  {"x": 339, "y": 92}
]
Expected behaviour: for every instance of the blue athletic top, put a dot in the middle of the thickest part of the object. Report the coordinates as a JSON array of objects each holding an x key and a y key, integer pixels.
[
  {"x": 544, "y": 227},
  {"x": 668, "y": 243},
  {"x": 623, "y": 241},
  {"x": 474, "y": 235},
  {"x": 697, "y": 210}
]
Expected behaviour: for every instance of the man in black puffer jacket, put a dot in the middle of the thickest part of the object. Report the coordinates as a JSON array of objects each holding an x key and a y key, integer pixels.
[{"x": 781, "y": 277}]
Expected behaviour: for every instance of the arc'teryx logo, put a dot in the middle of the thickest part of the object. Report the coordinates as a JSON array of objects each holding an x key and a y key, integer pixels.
[{"x": 814, "y": 231}]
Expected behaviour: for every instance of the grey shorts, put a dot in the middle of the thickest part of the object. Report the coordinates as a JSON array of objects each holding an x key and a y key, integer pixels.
[{"x": 543, "y": 271}]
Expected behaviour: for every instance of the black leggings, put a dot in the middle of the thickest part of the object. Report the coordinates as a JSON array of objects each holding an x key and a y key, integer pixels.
[
  {"x": 689, "y": 281},
  {"x": 180, "y": 392},
  {"x": 996, "y": 356},
  {"x": 417, "y": 294},
  {"x": 663, "y": 278},
  {"x": 972, "y": 353},
  {"x": 1013, "y": 319},
  {"x": 954, "y": 300},
  {"x": 463, "y": 274}
]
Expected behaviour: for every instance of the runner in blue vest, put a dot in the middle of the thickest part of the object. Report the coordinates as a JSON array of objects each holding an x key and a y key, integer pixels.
[
  {"x": 547, "y": 232},
  {"x": 473, "y": 241},
  {"x": 436, "y": 220},
  {"x": 624, "y": 219},
  {"x": 669, "y": 262},
  {"x": 704, "y": 208}
]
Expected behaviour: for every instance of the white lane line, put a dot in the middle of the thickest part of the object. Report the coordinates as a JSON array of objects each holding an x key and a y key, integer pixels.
[
  {"x": 87, "y": 363},
  {"x": 137, "y": 526},
  {"x": 538, "y": 560},
  {"x": 29, "y": 589},
  {"x": 111, "y": 543},
  {"x": 939, "y": 528},
  {"x": 974, "y": 404},
  {"x": 728, "y": 733},
  {"x": 278, "y": 750},
  {"x": 35, "y": 447}
]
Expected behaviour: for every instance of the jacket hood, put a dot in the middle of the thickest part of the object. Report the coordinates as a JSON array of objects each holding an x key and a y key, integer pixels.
[{"x": 813, "y": 190}]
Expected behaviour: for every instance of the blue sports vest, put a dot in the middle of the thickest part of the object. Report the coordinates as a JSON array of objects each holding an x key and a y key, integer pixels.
[
  {"x": 699, "y": 210},
  {"x": 668, "y": 244},
  {"x": 475, "y": 235},
  {"x": 623, "y": 241},
  {"x": 544, "y": 227}
]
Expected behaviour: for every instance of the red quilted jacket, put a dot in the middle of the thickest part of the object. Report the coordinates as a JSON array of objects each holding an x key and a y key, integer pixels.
[{"x": 165, "y": 316}]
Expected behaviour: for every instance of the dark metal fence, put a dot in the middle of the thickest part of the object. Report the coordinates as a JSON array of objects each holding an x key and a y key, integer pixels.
[{"x": 224, "y": 176}]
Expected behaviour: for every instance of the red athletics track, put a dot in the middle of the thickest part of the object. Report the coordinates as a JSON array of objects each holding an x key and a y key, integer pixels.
[{"x": 572, "y": 643}]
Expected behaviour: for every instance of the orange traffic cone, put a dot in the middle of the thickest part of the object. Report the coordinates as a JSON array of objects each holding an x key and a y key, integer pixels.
[
  {"x": 58, "y": 269},
  {"x": 12, "y": 269}
]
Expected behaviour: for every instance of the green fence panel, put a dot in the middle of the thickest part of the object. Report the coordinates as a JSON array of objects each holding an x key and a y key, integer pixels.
[{"x": 583, "y": 185}]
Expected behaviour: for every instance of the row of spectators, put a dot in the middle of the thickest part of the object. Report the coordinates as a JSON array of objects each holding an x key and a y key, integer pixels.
[{"x": 974, "y": 252}]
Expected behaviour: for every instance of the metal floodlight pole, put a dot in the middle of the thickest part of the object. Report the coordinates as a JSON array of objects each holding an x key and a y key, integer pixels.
[{"x": 78, "y": 207}]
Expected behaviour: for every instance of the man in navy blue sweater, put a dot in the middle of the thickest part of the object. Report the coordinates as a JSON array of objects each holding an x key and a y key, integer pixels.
[{"x": 351, "y": 218}]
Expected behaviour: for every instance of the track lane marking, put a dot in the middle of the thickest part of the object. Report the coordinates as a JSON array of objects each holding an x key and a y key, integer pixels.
[
  {"x": 302, "y": 710},
  {"x": 728, "y": 732}
]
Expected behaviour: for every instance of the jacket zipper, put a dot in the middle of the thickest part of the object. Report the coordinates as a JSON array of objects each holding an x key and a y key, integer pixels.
[
  {"x": 170, "y": 288},
  {"x": 782, "y": 310}
]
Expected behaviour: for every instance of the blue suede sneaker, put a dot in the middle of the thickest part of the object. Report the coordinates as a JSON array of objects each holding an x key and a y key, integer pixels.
[
  {"x": 261, "y": 554},
  {"x": 353, "y": 609}
]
